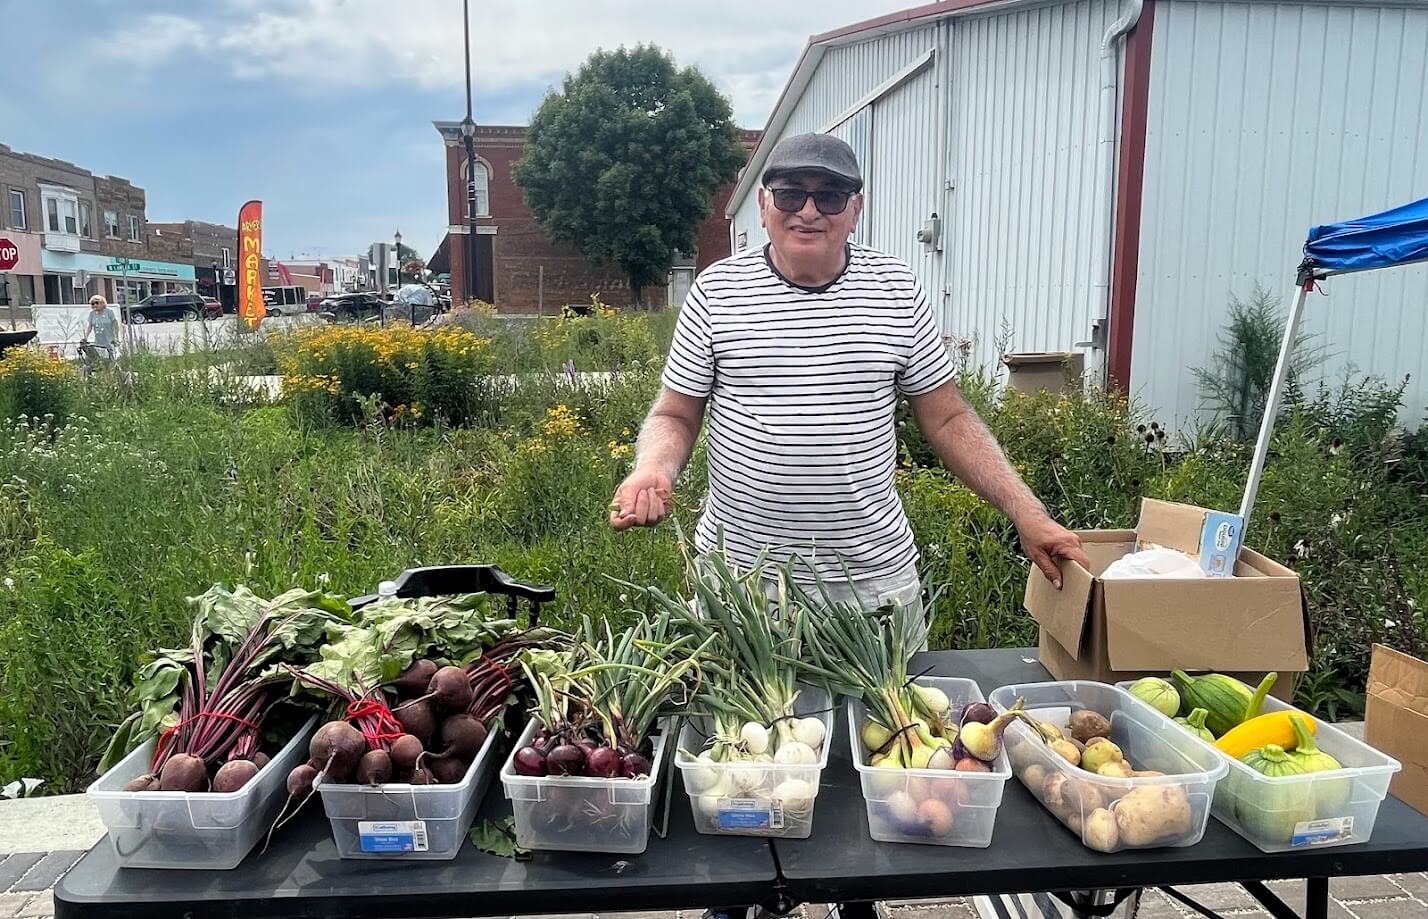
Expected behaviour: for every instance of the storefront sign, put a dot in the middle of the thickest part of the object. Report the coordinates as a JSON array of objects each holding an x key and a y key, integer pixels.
[
  {"x": 71, "y": 262},
  {"x": 251, "y": 308}
]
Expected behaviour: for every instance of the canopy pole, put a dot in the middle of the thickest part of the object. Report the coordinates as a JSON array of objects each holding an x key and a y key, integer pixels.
[{"x": 1276, "y": 394}]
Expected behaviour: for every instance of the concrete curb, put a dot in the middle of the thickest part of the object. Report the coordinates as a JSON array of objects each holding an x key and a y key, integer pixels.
[{"x": 48, "y": 824}]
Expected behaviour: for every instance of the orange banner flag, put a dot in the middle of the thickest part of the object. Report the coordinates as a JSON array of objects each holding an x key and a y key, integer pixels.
[{"x": 251, "y": 308}]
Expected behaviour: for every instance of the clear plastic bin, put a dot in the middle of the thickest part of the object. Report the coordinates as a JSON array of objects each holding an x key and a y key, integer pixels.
[
  {"x": 744, "y": 799},
  {"x": 971, "y": 799},
  {"x": 1311, "y": 811},
  {"x": 176, "y": 829},
  {"x": 409, "y": 822},
  {"x": 1111, "y": 814},
  {"x": 576, "y": 813}
]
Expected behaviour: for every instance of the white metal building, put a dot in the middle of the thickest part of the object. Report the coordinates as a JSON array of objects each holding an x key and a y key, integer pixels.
[{"x": 1107, "y": 173}]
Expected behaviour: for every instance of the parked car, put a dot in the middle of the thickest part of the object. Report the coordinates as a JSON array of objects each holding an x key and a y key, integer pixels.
[
  {"x": 165, "y": 307},
  {"x": 212, "y": 309},
  {"x": 352, "y": 306}
]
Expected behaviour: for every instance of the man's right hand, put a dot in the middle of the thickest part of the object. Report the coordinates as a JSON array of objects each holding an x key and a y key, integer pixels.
[{"x": 643, "y": 499}]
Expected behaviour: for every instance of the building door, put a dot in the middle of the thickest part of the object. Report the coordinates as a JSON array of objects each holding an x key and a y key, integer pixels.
[{"x": 485, "y": 286}]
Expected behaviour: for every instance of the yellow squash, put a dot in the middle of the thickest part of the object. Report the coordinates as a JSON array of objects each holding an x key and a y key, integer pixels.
[{"x": 1261, "y": 730}]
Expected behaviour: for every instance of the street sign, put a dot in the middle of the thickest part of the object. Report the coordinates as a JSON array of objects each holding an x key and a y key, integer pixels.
[
  {"x": 9, "y": 254},
  {"x": 230, "y": 277},
  {"x": 122, "y": 264}
]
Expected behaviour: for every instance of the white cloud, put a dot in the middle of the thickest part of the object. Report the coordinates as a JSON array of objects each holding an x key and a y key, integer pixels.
[
  {"x": 153, "y": 37},
  {"x": 746, "y": 46}
]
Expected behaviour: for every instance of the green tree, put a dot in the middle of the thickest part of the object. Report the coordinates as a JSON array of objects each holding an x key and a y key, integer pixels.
[{"x": 623, "y": 161}]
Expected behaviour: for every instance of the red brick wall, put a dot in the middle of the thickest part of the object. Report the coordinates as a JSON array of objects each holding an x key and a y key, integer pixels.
[{"x": 520, "y": 250}]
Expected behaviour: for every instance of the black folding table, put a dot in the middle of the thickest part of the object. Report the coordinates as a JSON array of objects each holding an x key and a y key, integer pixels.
[{"x": 302, "y": 877}]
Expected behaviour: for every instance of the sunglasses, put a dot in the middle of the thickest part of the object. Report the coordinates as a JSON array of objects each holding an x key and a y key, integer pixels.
[{"x": 792, "y": 200}]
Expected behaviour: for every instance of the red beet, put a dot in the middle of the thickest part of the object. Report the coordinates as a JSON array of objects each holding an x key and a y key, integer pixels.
[
  {"x": 415, "y": 679},
  {"x": 375, "y": 768},
  {"x": 404, "y": 753},
  {"x": 422, "y": 776},
  {"x": 261, "y": 759},
  {"x": 146, "y": 782},
  {"x": 183, "y": 773},
  {"x": 529, "y": 761},
  {"x": 300, "y": 780},
  {"x": 418, "y": 720},
  {"x": 448, "y": 770},
  {"x": 233, "y": 775},
  {"x": 463, "y": 736},
  {"x": 450, "y": 688},
  {"x": 337, "y": 747}
]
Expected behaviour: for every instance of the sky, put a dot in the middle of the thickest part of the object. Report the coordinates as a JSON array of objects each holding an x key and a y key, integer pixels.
[{"x": 323, "y": 108}]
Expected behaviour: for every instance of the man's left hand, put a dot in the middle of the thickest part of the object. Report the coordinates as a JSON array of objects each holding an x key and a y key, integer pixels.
[{"x": 1044, "y": 541}]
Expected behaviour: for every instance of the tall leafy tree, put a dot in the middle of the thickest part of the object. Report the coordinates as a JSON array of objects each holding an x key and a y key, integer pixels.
[{"x": 623, "y": 161}]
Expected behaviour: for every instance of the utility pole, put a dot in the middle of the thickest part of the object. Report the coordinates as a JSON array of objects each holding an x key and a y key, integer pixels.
[{"x": 468, "y": 133}]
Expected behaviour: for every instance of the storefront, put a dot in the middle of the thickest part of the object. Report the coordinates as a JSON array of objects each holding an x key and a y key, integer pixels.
[
  {"x": 20, "y": 283},
  {"x": 75, "y": 277}
]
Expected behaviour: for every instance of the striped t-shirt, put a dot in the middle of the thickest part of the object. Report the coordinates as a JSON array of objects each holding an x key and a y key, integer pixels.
[{"x": 803, "y": 386}]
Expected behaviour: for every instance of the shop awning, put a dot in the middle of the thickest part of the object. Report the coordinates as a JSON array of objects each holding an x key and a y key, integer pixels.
[{"x": 440, "y": 261}]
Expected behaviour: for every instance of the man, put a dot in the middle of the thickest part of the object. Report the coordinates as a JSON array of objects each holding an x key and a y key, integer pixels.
[
  {"x": 801, "y": 350},
  {"x": 103, "y": 327}
]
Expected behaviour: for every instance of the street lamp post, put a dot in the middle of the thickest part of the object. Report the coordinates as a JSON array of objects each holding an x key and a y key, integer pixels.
[{"x": 468, "y": 134}]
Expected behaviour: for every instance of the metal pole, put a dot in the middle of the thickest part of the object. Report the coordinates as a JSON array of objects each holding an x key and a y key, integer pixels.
[
  {"x": 469, "y": 133},
  {"x": 540, "y": 291},
  {"x": 1276, "y": 393}
]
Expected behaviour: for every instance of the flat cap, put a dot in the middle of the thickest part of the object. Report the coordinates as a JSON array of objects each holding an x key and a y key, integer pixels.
[{"x": 817, "y": 153}]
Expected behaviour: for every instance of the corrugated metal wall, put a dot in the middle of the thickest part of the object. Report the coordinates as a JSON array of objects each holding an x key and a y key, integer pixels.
[
  {"x": 1264, "y": 119},
  {"x": 845, "y": 75},
  {"x": 1024, "y": 156},
  {"x": 1020, "y": 152}
]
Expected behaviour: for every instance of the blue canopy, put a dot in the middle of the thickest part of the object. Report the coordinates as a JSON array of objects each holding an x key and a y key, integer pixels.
[{"x": 1394, "y": 237}]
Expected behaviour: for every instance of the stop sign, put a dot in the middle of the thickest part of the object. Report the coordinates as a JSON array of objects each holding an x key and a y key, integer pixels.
[{"x": 9, "y": 254}]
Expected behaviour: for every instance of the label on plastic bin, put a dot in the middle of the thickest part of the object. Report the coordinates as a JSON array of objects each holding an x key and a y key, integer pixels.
[
  {"x": 381, "y": 837},
  {"x": 750, "y": 814},
  {"x": 1322, "y": 832}
]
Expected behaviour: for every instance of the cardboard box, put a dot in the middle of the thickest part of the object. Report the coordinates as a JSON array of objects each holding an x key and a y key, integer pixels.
[
  {"x": 1115, "y": 630},
  {"x": 1396, "y": 720}
]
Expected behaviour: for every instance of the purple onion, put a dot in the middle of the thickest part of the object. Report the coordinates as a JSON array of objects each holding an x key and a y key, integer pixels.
[
  {"x": 980, "y": 712},
  {"x": 633, "y": 766},
  {"x": 603, "y": 763},
  {"x": 566, "y": 759},
  {"x": 529, "y": 761}
]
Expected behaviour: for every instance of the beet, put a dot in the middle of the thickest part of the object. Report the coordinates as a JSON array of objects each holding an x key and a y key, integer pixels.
[
  {"x": 404, "y": 753},
  {"x": 300, "y": 780},
  {"x": 450, "y": 689},
  {"x": 184, "y": 773},
  {"x": 375, "y": 768},
  {"x": 234, "y": 774},
  {"x": 417, "y": 719},
  {"x": 336, "y": 748},
  {"x": 634, "y": 765},
  {"x": 423, "y": 776},
  {"x": 415, "y": 679},
  {"x": 529, "y": 761},
  {"x": 603, "y": 763},
  {"x": 146, "y": 782},
  {"x": 566, "y": 759},
  {"x": 261, "y": 759},
  {"x": 448, "y": 770},
  {"x": 463, "y": 736}
]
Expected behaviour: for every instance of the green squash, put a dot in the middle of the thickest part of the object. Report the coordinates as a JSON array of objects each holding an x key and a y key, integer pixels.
[
  {"x": 1271, "y": 811},
  {"x": 1158, "y": 694},
  {"x": 1195, "y": 724},
  {"x": 1331, "y": 795}
]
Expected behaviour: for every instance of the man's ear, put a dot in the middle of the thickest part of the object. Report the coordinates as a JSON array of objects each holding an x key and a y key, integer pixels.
[{"x": 763, "y": 223}]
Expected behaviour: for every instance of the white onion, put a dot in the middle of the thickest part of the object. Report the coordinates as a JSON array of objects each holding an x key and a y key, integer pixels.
[
  {"x": 809, "y": 731},
  {"x": 797, "y": 797},
  {"x": 902, "y": 808},
  {"x": 755, "y": 737},
  {"x": 795, "y": 753},
  {"x": 745, "y": 779},
  {"x": 702, "y": 777}
]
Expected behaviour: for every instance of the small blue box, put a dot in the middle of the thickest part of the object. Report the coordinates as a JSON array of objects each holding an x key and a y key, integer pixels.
[{"x": 1220, "y": 539}]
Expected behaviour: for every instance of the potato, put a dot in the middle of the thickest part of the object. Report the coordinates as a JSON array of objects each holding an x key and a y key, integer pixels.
[
  {"x": 1064, "y": 796},
  {"x": 1033, "y": 777},
  {"x": 1116, "y": 769},
  {"x": 1067, "y": 751},
  {"x": 1095, "y": 740},
  {"x": 1146, "y": 816},
  {"x": 1098, "y": 755},
  {"x": 1146, "y": 774},
  {"x": 1101, "y": 832},
  {"x": 1086, "y": 724}
]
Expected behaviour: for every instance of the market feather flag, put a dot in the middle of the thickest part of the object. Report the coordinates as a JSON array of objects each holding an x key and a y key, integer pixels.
[{"x": 251, "y": 308}]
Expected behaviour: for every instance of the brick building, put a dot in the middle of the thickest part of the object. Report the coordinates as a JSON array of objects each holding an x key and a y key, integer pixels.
[
  {"x": 213, "y": 250},
  {"x": 518, "y": 268}
]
